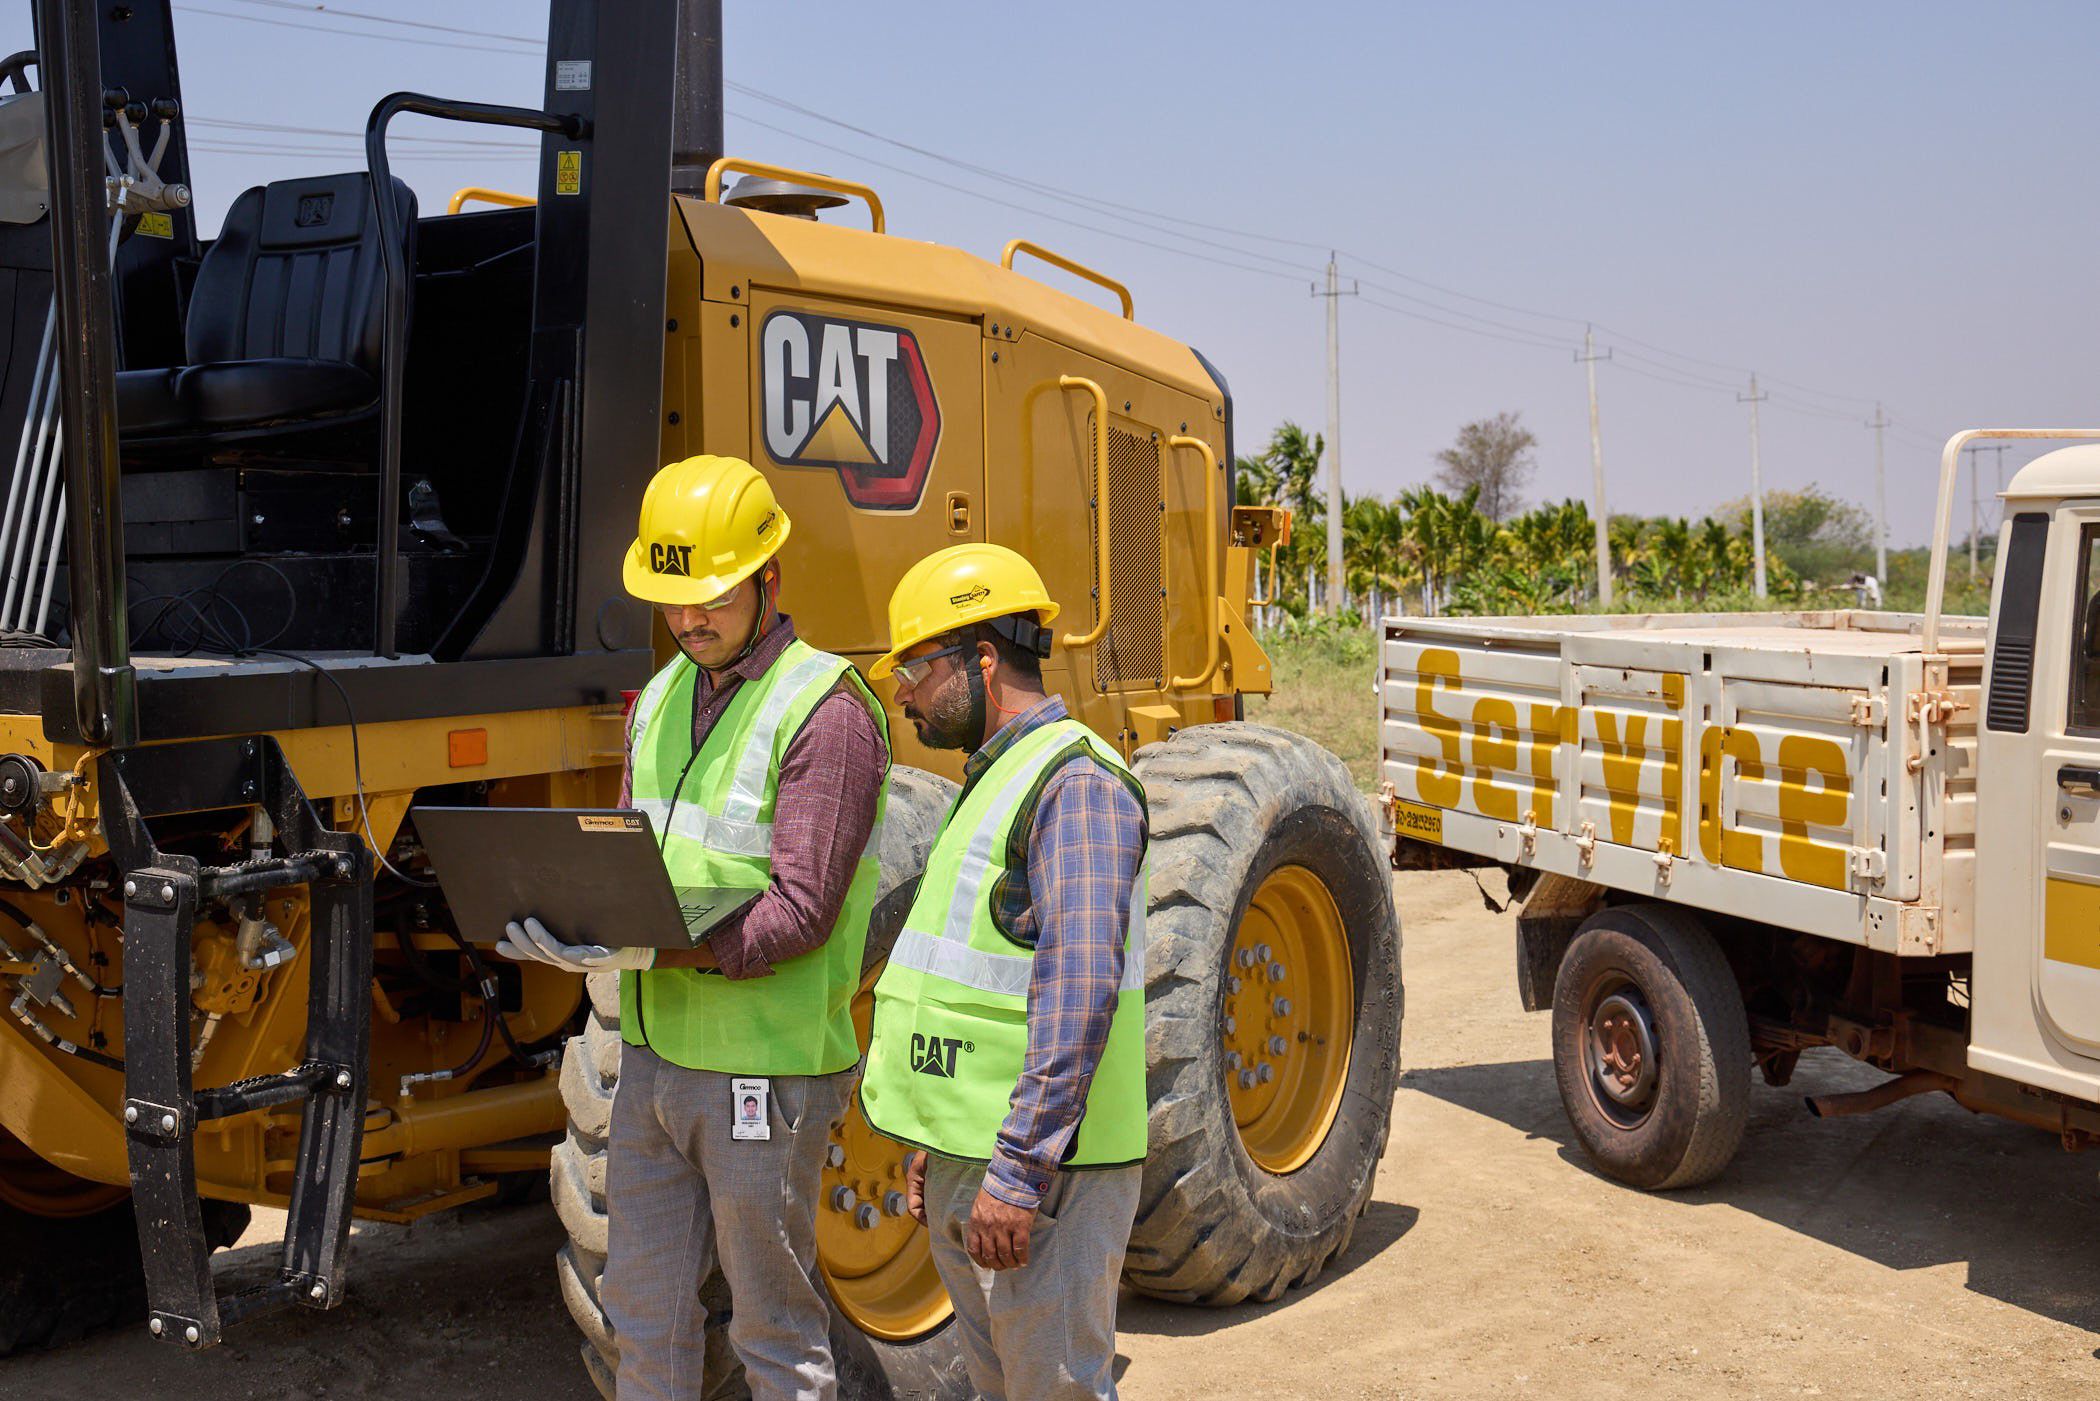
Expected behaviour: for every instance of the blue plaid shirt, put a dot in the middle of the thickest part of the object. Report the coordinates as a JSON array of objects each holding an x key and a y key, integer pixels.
[{"x": 1069, "y": 901}]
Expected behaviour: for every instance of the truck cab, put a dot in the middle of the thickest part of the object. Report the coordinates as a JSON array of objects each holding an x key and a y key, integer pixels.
[{"x": 2036, "y": 1010}]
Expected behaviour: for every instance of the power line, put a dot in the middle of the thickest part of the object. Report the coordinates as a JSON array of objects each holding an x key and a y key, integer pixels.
[
  {"x": 352, "y": 33},
  {"x": 1156, "y": 221},
  {"x": 337, "y": 11},
  {"x": 353, "y": 136},
  {"x": 1461, "y": 326},
  {"x": 1025, "y": 209}
]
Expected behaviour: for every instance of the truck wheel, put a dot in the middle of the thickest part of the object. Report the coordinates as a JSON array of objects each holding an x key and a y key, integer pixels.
[
  {"x": 1272, "y": 1014},
  {"x": 890, "y": 1325},
  {"x": 69, "y": 1252},
  {"x": 1651, "y": 1047}
]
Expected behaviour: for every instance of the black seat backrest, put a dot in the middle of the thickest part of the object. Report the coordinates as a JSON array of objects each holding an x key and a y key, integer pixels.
[{"x": 297, "y": 272}]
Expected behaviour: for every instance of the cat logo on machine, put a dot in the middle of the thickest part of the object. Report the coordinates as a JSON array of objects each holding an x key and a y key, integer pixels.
[{"x": 853, "y": 397}]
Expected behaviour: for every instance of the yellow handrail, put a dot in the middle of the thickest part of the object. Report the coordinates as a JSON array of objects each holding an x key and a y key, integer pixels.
[
  {"x": 1077, "y": 269},
  {"x": 461, "y": 197},
  {"x": 712, "y": 192},
  {"x": 1073, "y": 639},
  {"x": 1209, "y": 608}
]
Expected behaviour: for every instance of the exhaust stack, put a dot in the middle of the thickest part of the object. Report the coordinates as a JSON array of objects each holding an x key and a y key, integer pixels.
[{"x": 696, "y": 117}]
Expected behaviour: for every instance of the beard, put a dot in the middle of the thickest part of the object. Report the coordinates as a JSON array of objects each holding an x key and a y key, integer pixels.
[{"x": 944, "y": 722}]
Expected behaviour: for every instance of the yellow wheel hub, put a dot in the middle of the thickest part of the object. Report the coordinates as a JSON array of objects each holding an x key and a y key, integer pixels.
[
  {"x": 28, "y": 1183},
  {"x": 876, "y": 1259},
  {"x": 1290, "y": 999}
]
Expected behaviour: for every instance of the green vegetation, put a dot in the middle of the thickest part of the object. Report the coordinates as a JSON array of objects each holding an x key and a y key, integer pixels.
[
  {"x": 1327, "y": 690},
  {"x": 1428, "y": 551}
]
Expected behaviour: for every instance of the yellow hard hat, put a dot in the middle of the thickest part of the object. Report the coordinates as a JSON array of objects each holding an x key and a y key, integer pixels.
[
  {"x": 707, "y": 524},
  {"x": 956, "y": 587}
]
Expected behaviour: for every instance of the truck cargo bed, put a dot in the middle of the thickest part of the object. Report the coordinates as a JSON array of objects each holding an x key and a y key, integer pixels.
[{"x": 1814, "y": 770}]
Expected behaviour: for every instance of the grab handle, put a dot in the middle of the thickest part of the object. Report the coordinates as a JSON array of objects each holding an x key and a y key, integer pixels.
[
  {"x": 1077, "y": 269},
  {"x": 1209, "y": 608},
  {"x": 1100, "y": 628}
]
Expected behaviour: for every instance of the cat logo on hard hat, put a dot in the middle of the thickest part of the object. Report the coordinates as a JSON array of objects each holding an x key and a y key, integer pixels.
[
  {"x": 671, "y": 559},
  {"x": 853, "y": 397}
]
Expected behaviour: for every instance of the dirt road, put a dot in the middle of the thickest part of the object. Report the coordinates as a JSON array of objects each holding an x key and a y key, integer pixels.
[{"x": 1920, "y": 1252}]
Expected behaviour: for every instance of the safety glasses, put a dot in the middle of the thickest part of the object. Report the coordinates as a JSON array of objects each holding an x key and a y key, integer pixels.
[{"x": 911, "y": 673}]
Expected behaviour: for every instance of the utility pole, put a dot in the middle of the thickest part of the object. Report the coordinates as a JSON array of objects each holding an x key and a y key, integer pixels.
[
  {"x": 1757, "y": 486},
  {"x": 1589, "y": 359},
  {"x": 1881, "y": 503},
  {"x": 1999, "y": 477},
  {"x": 1972, "y": 451},
  {"x": 1334, "y": 295}
]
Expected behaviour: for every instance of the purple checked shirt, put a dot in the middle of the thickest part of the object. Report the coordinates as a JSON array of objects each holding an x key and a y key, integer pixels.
[
  {"x": 823, "y": 811},
  {"x": 1069, "y": 901}
]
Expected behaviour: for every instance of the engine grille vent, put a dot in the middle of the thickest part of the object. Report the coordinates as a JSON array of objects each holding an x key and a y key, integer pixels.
[{"x": 1132, "y": 655}]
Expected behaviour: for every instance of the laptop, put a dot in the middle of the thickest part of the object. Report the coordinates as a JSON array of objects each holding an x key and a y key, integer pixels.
[{"x": 592, "y": 876}]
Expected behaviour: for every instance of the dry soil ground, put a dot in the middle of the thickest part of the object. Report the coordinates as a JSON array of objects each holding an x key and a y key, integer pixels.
[{"x": 1919, "y": 1252}]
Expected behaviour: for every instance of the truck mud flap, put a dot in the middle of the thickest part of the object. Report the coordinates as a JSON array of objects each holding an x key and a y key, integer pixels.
[{"x": 162, "y": 1109}]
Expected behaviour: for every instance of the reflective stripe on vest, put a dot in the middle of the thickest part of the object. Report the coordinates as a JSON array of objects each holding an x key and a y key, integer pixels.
[
  {"x": 950, "y": 1024},
  {"x": 1004, "y": 973},
  {"x": 712, "y": 814}
]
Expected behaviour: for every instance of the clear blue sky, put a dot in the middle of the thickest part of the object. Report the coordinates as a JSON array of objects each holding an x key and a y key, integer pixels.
[{"x": 1872, "y": 200}]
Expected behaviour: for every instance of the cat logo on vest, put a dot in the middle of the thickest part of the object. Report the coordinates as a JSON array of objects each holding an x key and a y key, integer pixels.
[{"x": 935, "y": 1055}]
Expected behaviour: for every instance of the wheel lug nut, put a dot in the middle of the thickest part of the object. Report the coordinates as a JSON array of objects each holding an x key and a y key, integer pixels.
[
  {"x": 1261, "y": 953},
  {"x": 842, "y": 1199},
  {"x": 1276, "y": 972},
  {"x": 1265, "y": 1074},
  {"x": 1232, "y": 983},
  {"x": 893, "y": 1204},
  {"x": 1277, "y": 1045},
  {"x": 1232, "y": 1024},
  {"x": 835, "y": 1155},
  {"x": 1232, "y": 1061},
  {"x": 1246, "y": 958},
  {"x": 867, "y": 1218},
  {"x": 1283, "y": 1006},
  {"x": 1247, "y": 1079}
]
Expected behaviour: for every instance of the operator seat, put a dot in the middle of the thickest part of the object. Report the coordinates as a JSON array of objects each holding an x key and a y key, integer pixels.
[{"x": 286, "y": 319}]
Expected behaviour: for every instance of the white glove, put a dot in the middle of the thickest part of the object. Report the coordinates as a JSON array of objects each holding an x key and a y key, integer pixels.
[{"x": 533, "y": 942}]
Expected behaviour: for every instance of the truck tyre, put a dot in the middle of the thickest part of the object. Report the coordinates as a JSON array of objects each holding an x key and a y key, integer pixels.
[
  {"x": 1651, "y": 1047},
  {"x": 889, "y": 1335},
  {"x": 1272, "y": 1014},
  {"x": 69, "y": 1252}
]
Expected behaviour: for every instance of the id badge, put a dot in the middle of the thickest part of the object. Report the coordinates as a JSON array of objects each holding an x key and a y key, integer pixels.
[{"x": 748, "y": 1109}]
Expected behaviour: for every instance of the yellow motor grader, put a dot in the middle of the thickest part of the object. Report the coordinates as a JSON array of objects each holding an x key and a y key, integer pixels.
[{"x": 320, "y": 519}]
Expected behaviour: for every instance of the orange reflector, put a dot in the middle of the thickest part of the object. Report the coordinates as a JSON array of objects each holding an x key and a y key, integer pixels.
[
  {"x": 1226, "y": 708},
  {"x": 466, "y": 748}
]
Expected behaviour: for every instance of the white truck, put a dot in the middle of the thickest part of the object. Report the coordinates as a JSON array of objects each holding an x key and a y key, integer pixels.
[{"x": 1738, "y": 837}]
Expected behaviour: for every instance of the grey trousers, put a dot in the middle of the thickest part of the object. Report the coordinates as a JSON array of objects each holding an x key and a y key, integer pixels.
[
  {"x": 1046, "y": 1331},
  {"x": 682, "y": 1194}
]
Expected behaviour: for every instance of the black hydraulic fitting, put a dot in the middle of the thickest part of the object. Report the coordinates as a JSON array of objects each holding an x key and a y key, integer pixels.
[{"x": 18, "y": 784}]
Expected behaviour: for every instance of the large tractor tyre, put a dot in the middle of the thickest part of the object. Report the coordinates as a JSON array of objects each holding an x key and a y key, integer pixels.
[
  {"x": 890, "y": 1323},
  {"x": 1272, "y": 1014},
  {"x": 69, "y": 1252},
  {"x": 1651, "y": 1047}
]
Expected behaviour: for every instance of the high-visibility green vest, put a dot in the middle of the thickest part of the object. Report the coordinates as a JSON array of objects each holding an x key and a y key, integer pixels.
[
  {"x": 951, "y": 1007},
  {"x": 712, "y": 811}
]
